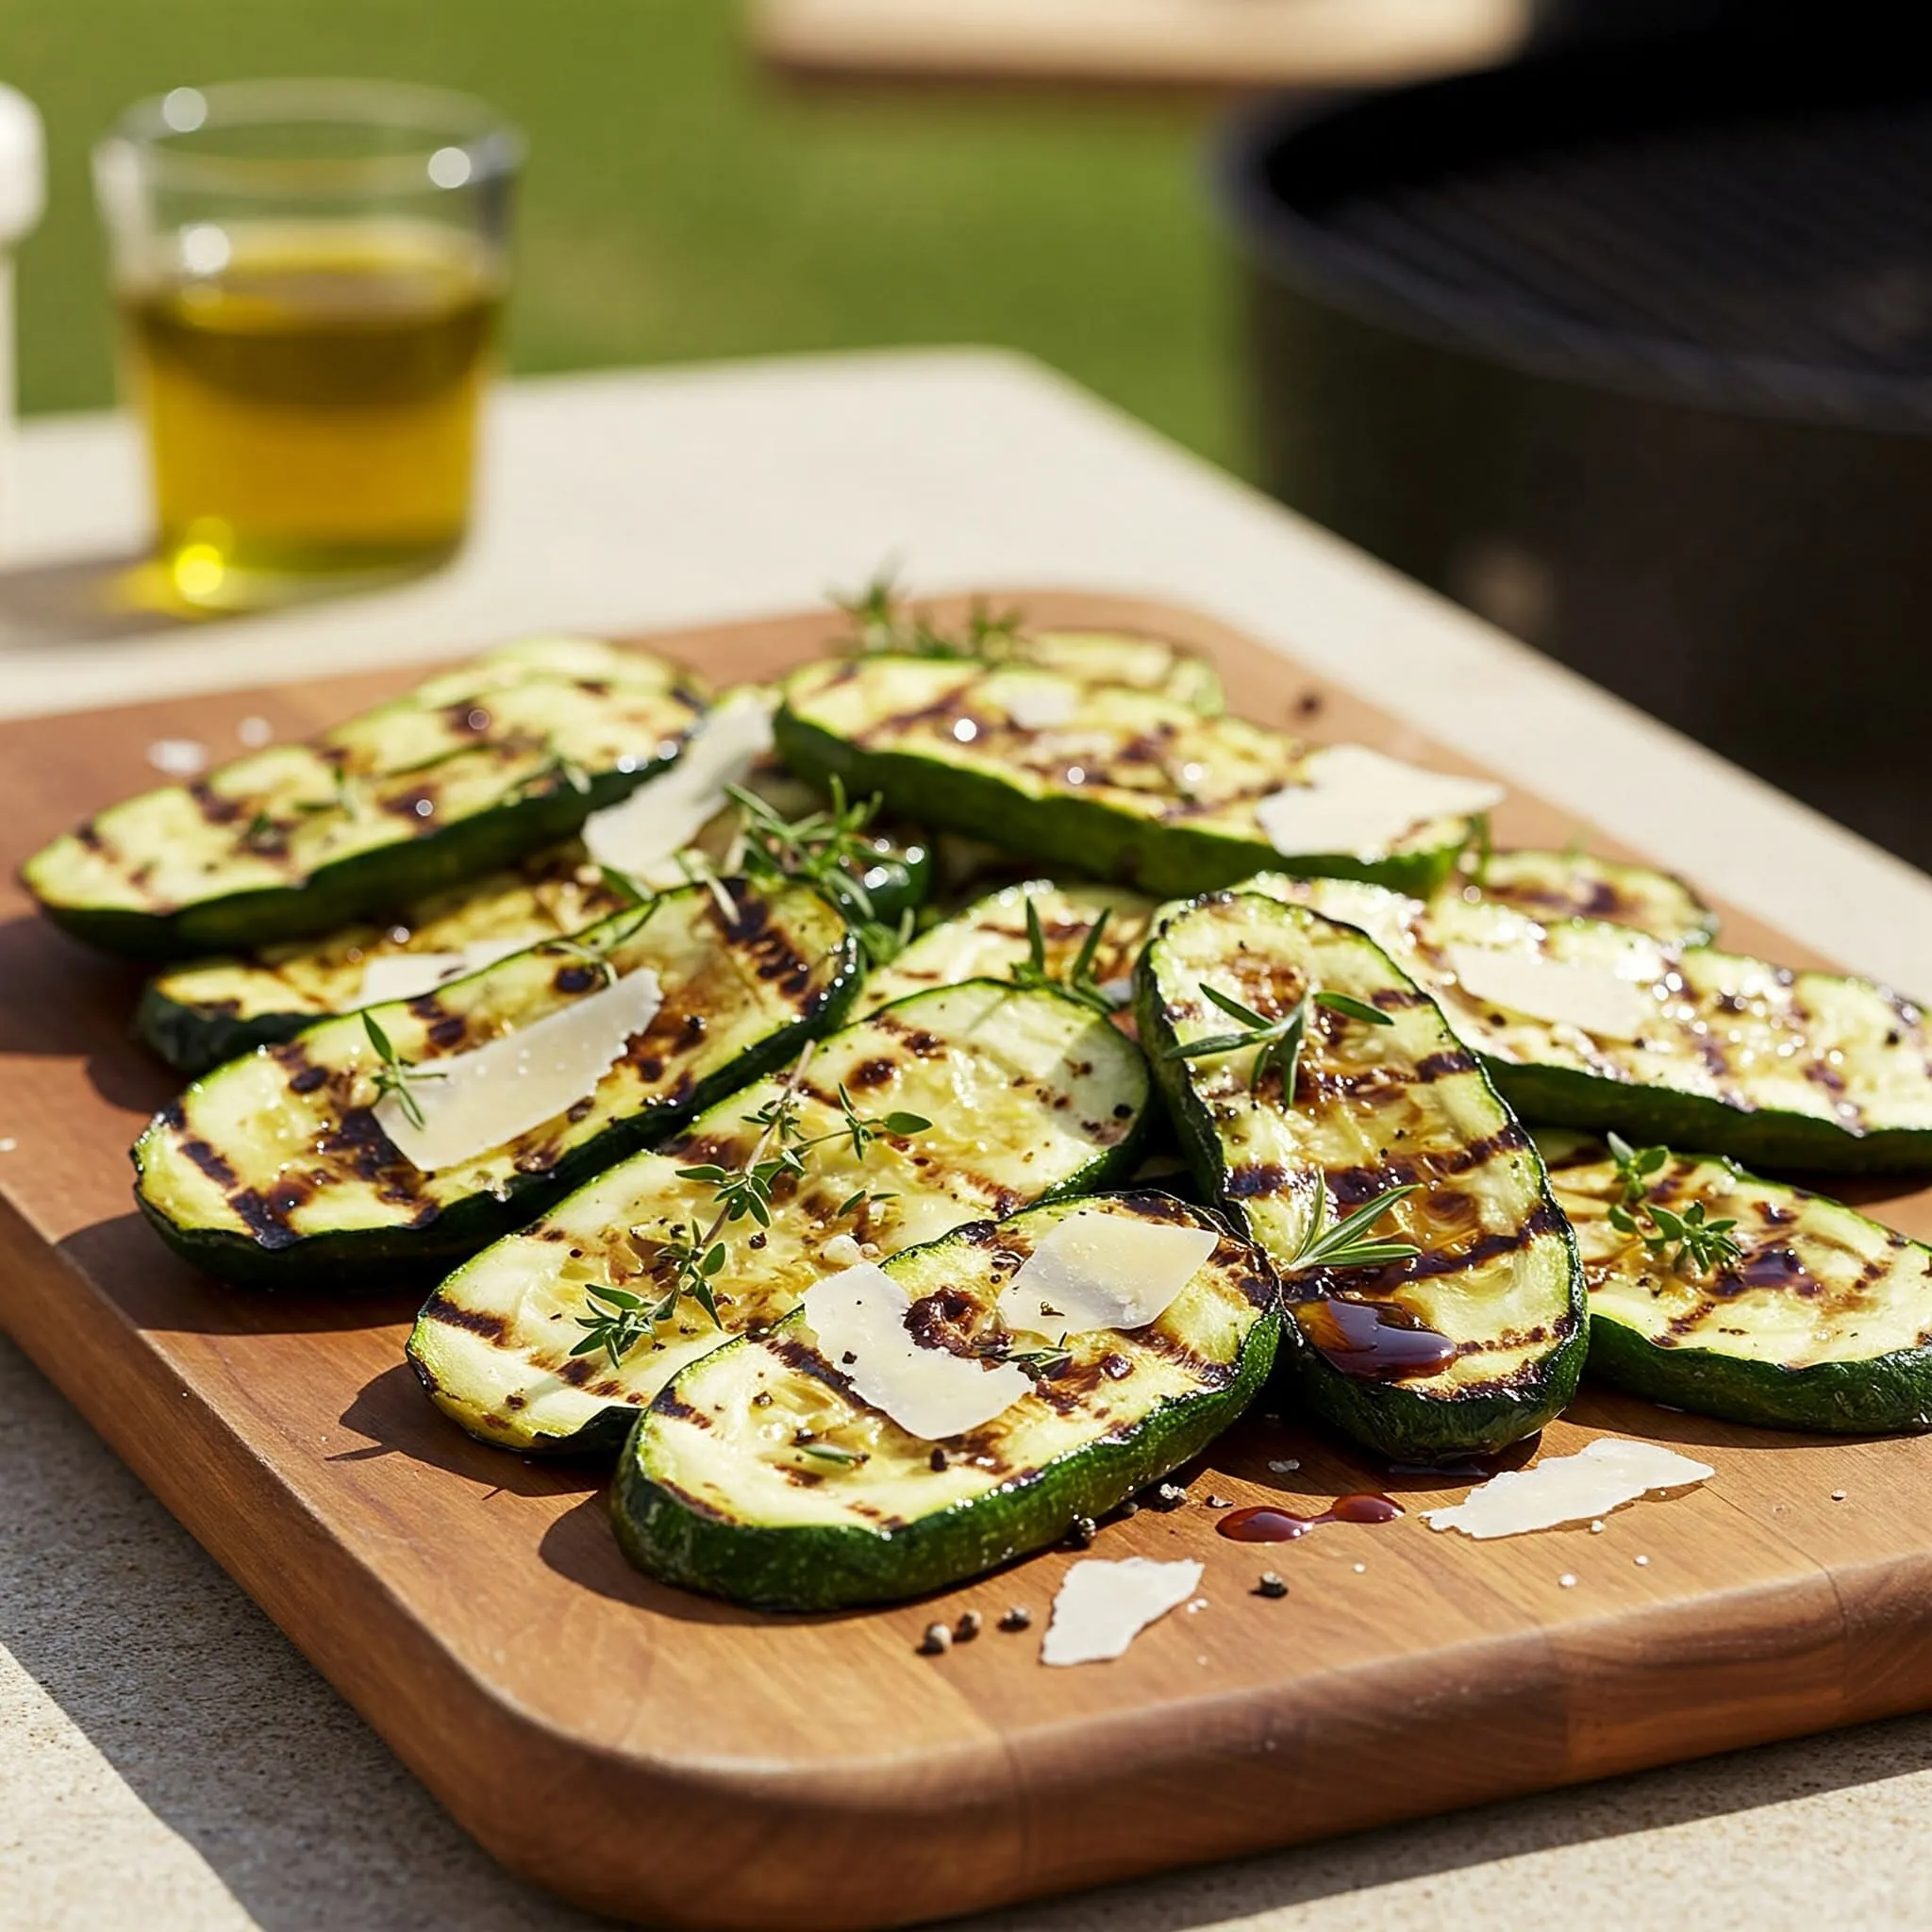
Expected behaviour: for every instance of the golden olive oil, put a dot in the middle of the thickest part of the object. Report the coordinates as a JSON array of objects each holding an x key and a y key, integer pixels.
[{"x": 310, "y": 399}]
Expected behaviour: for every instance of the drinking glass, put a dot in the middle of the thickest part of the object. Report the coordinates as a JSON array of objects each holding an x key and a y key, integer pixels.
[{"x": 309, "y": 275}]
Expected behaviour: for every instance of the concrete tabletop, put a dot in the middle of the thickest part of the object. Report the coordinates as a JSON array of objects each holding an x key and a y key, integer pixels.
[{"x": 168, "y": 1760}]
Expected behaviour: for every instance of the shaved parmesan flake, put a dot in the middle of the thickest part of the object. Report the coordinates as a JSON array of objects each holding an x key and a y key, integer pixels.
[
  {"x": 859, "y": 1318},
  {"x": 1042, "y": 704},
  {"x": 1103, "y": 1607},
  {"x": 1103, "y": 1271},
  {"x": 1355, "y": 800},
  {"x": 1592, "y": 998},
  {"x": 488, "y": 1097},
  {"x": 1121, "y": 990},
  {"x": 665, "y": 813},
  {"x": 1601, "y": 1476},
  {"x": 408, "y": 975}
]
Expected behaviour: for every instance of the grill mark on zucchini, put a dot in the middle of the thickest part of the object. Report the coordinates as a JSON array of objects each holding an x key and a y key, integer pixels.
[
  {"x": 315, "y": 1190},
  {"x": 1495, "y": 1281},
  {"x": 1822, "y": 1320},
  {"x": 1135, "y": 787},
  {"x": 1002, "y": 1152},
  {"x": 730, "y": 1508},
  {"x": 1821, "y": 1071},
  {"x": 297, "y": 837}
]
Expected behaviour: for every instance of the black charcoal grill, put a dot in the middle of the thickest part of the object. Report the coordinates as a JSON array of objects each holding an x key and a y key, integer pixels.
[{"x": 1630, "y": 349}]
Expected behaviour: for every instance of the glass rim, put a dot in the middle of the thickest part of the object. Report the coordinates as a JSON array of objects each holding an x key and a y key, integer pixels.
[{"x": 451, "y": 122}]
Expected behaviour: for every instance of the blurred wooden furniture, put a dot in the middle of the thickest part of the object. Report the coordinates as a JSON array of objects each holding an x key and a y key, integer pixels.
[{"x": 1218, "y": 44}]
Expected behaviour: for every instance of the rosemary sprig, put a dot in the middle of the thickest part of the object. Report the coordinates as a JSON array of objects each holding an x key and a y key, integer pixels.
[
  {"x": 1345, "y": 1243},
  {"x": 1034, "y": 973},
  {"x": 832, "y": 1452},
  {"x": 396, "y": 1076},
  {"x": 1702, "y": 1243},
  {"x": 1277, "y": 1042},
  {"x": 557, "y": 771}
]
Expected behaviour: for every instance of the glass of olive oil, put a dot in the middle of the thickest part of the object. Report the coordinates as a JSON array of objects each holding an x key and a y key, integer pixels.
[{"x": 309, "y": 275}]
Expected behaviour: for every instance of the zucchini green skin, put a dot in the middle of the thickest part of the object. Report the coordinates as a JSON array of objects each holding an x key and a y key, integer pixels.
[
  {"x": 1775, "y": 1068},
  {"x": 1579, "y": 884},
  {"x": 989, "y": 938},
  {"x": 1823, "y": 1321},
  {"x": 910, "y": 1528},
  {"x": 1061, "y": 1109},
  {"x": 198, "y": 1014},
  {"x": 334, "y": 1208},
  {"x": 848, "y": 721},
  {"x": 494, "y": 790},
  {"x": 1498, "y": 1274}
]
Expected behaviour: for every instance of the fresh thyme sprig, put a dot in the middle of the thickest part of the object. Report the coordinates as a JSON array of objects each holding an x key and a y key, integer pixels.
[
  {"x": 826, "y": 849},
  {"x": 882, "y": 622},
  {"x": 1701, "y": 1243},
  {"x": 1034, "y": 973},
  {"x": 1346, "y": 1243},
  {"x": 1277, "y": 1042},
  {"x": 688, "y": 1259},
  {"x": 396, "y": 1076}
]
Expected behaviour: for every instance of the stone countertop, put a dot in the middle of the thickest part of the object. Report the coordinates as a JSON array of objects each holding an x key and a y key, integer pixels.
[{"x": 168, "y": 1760}]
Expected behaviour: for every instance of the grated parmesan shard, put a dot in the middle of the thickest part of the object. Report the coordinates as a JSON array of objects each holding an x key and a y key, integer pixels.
[
  {"x": 1103, "y": 1607},
  {"x": 665, "y": 813},
  {"x": 1103, "y": 1271},
  {"x": 858, "y": 1318},
  {"x": 474, "y": 1102},
  {"x": 1592, "y": 998},
  {"x": 1356, "y": 800},
  {"x": 1562, "y": 1490}
]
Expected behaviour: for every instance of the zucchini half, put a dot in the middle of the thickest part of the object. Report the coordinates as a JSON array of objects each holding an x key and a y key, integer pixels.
[
  {"x": 759, "y": 1474},
  {"x": 1578, "y": 884},
  {"x": 470, "y": 771},
  {"x": 1822, "y": 1320},
  {"x": 273, "y": 1172},
  {"x": 1772, "y": 1066},
  {"x": 1031, "y": 1096},
  {"x": 1478, "y": 1338},
  {"x": 989, "y": 938},
  {"x": 1132, "y": 786},
  {"x": 199, "y": 1014}
]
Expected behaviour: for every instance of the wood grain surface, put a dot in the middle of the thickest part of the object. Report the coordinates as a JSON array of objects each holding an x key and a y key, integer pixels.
[{"x": 663, "y": 1757}]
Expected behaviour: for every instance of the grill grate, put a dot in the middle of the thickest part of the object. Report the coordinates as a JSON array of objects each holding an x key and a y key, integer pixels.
[{"x": 1787, "y": 244}]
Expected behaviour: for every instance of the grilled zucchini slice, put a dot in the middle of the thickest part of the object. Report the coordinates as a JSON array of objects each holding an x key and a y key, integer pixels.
[
  {"x": 1130, "y": 786},
  {"x": 274, "y": 1171},
  {"x": 1031, "y": 1096},
  {"x": 1578, "y": 884},
  {"x": 198, "y": 1015},
  {"x": 1822, "y": 1320},
  {"x": 989, "y": 938},
  {"x": 1773, "y": 1067},
  {"x": 759, "y": 1474},
  {"x": 1476, "y": 1340},
  {"x": 1132, "y": 659},
  {"x": 470, "y": 771}
]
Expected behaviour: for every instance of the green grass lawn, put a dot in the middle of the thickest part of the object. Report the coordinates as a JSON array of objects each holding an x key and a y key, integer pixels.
[{"x": 681, "y": 205}]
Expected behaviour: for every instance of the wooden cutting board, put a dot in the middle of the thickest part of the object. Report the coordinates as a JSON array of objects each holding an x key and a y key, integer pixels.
[{"x": 660, "y": 1756}]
